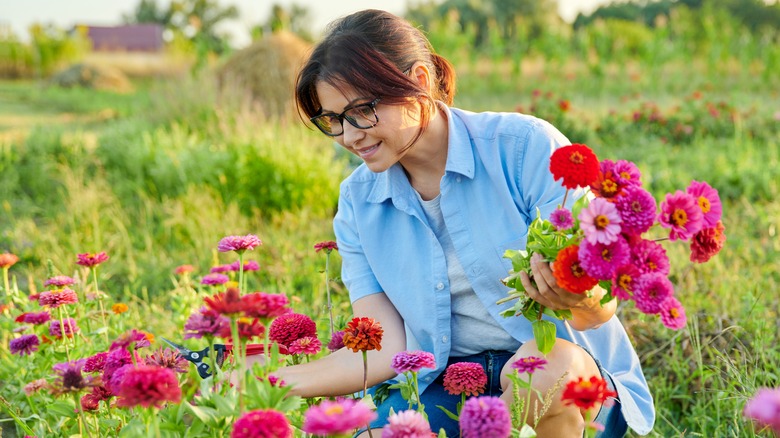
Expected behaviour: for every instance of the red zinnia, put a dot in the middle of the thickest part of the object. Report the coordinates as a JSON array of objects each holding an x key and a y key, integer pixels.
[
  {"x": 262, "y": 423},
  {"x": 91, "y": 259},
  {"x": 576, "y": 164},
  {"x": 707, "y": 242},
  {"x": 264, "y": 305},
  {"x": 290, "y": 327},
  {"x": 569, "y": 273},
  {"x": 467, "y": 378},
  {"x": 363, "y": 334},
  {"x": 248, "y": 328},
  {"x": 227, "y": 303},
  {"x": 585, "y": 394},
  {"x": 146, "y": 385},
  {"x": 328, "y": 246}
]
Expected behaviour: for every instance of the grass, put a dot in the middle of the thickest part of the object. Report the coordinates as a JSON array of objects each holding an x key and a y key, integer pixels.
[{"x": 156, "y": 177}]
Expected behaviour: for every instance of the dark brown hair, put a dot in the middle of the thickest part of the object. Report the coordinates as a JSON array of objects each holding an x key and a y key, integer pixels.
[{"x": 371, "y": 52}]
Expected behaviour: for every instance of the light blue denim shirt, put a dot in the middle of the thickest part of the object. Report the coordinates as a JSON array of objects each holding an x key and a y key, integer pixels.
[{"x": 497, "y": 175}]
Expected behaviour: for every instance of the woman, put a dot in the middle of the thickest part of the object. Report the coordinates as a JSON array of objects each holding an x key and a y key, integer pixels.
[{"x": 422, "y": 226}]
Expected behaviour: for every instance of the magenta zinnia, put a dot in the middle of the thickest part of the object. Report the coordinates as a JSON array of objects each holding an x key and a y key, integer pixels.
[
  {"x": 407, "y": 424},
  {"x": 131, "y": 337},
  {"x": 205, "y": 322},
  {"x": 562, "y": 219},
  {"x": 265, "y": 305},
  {"x": 672, "y": 314},
  {"x": 637, "y": 208},
  {"x": 485, "y": 417},
  {"x": 24, "y": 345},
  {"x": 764, "y": 408},
  {"x": 681, "y": 214},
  {"x": 649, "y": 257},
  {"x": 214, "y": 279},
  {"x": 327, "y": 246},
  {"x": 95, "y": 363},
  {"x": 467, "y": 378},
  {"x": 305, "y": 345},
  {"x": 337, "y": 417},
  {"x": 529, "y": 364},
  {"x": 336, "y": 341},
  {"x": 412, "y": 361},
  {"x": 624, "y": 280},
  {"x": 600, "y": 221},
  {"x": 238, "y": 244},
  {"x": 600, "y": 260},
  {"x": 91, "y": 260},
  {"x": 57, "y": 298},
  {"x": 249, "y": 265},
  {"x": 146, "y": 386},
  {"x": 287, "y": 328},
  {"x": 35, "y": 318},
  {"x": 59, "y": 281},
  {"x": 55, "y": 329},
  {"x": 262, "y": 423},
  {"x": 650, "y": 291},
  {"x": 708, "y": 201}
]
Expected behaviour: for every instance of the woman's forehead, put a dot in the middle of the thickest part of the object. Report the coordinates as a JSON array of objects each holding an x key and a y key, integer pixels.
[{"x": 335, "y": 97}]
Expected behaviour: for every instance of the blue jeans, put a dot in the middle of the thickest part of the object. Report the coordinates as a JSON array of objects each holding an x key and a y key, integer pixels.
[{"x": 492, "y": 362}]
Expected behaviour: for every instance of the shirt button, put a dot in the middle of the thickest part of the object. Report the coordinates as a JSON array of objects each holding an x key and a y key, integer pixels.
[
  {"x": 458, "y": 179},
  {"x": 440, "y": 286},
  {"x": 444, "y": 339}
]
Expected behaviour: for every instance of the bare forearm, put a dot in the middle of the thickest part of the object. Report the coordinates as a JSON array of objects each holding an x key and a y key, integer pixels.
[{"x": 592, "y": 314}]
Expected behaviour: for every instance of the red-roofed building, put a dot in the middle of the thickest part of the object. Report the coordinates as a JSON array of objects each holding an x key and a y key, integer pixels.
[{"x": 126, "y": 38}]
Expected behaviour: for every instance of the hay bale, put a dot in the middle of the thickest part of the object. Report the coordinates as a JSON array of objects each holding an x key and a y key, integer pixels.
[
  {"x": 92, "y": 76},
  {"x": 265, "y": 72}
]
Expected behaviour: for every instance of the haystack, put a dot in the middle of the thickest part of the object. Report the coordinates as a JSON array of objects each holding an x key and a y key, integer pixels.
[
  {"x": 265, "y": 72},
  {"x": 93, "y": 76}
]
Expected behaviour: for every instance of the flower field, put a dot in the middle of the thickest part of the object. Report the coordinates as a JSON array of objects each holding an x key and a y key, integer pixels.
[{"x": 115, "y": 210}]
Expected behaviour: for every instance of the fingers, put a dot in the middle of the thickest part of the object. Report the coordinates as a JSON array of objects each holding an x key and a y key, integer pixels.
[{"x": 546, "y": 291}]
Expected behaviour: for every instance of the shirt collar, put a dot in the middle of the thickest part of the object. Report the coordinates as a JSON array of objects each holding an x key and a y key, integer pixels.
[{"x": 393, "y": 183}]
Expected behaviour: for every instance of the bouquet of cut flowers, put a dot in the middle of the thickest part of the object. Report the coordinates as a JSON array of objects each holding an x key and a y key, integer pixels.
[{"x": 600, "y": 240}]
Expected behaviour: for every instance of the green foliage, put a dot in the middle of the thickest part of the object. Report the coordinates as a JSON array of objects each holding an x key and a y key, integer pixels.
[{"x": 49, "y": 48}]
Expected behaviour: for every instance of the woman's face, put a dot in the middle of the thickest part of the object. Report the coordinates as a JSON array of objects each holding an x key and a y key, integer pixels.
[{"x": 381, "y": 146}]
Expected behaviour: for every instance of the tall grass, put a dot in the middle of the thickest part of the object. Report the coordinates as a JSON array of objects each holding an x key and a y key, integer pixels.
[{"x": 174, "y": 169}]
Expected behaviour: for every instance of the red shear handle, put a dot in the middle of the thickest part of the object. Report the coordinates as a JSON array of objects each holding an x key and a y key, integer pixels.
[{"x": 255, "y": 349}]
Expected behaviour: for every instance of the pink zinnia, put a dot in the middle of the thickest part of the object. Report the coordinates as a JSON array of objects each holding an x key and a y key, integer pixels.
[
  {"x": 624, "y": 281},
  {"x": 407, "y": 424},
  {"x": 36, "y": 318},
  {"x": 562, "y": 219},
  {"x": 57, "y": 298},
  {"x": 708, "y": 201},
  {"x": 327, "y": 246},
  {"x": 145, "y": 385},
  {"x": 673, "y": 314},
  {"x": 681, "y": 213},
  {"x": 707, "y": 243},
  {"x": 764, "y": 408},
  {"x": 287, "y": 328},
  {"x": 305, "y": 345},
  {"x": 221, "y": 269},
  {"x": 214, "y": 279},
  {"x": 35, "y": 386},
  {"x": 626, "y": 173},
  {"x": 529, "y": 364},
  {"x": 465, "y": 378},
  {"x": 265, "y": 305},
  {"x": 485, "y": 417},
  {"x": 337, "y": 417},
  {"x": 600, "y": 221},
  {"x": 249, "y": 265},
  {"x": 91, "y": 260},
  {"x": 59, "y": 281},
  {"x": 601, "y": 260},
  {"x": 238, "y": 244},
  {"x": 649, "y": 257},
  {"x": 55, "y": 329},
  {"x": 637, "y": 208},
  {"x": 24, "y": 345},
  {"x": 95, "y": 363},
  {"x": 336, "y": 341},
  {"x": 116, "y": 360},
  {"x": 651, "y": 290},
  {"x": 262, "y": 423},
  {"x": 167, "y": 358},
  {"x": 412, "y": 361},
  {"x": 130, "y": 337},
  {"x": 205, "y": 322}
]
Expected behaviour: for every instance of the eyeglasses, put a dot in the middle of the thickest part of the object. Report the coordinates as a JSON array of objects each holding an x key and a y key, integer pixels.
[{"x": 362, "y": 116}]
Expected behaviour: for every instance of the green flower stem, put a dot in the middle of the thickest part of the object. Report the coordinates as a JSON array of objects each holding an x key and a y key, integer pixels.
[
  {"x": 327, "y": 292},
  {"x": 527, "y": 400},
  {"x": 83, "y": 426},
  {"x": 213, "y": 360},
  {"x": 152, "y": 423},
  {"x": 365, "y": 383},
  {"x": 239, "y": 362},
  {"x": 100, "y": 301},
  {"x": 62, "y": 332},
  {"x": 6, "y": 287}
]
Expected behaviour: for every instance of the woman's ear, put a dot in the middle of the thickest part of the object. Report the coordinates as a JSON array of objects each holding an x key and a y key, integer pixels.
[{"x": 420, "y": 74}]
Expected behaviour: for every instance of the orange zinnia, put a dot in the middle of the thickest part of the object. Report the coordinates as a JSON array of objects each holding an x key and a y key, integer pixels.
[
  {"x": 568, "y": 272},
  {"x": 363, "y": 334}
]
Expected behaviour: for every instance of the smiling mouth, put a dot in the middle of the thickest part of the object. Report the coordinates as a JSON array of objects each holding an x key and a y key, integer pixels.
[{"x": 367, "y": 151}]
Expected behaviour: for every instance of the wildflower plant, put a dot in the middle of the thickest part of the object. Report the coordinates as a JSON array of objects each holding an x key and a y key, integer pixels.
[
  {"x": 521, "y": 407},
  {"x": 328, "y": 247},
  {"x": 601, "y": 241}
]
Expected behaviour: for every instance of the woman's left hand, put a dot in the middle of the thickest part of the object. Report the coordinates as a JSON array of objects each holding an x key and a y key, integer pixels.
[{"x": 547, "y": 292}]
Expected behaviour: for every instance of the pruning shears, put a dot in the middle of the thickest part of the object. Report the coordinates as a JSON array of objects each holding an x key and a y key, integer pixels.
[{"x": 198, "y": 357}]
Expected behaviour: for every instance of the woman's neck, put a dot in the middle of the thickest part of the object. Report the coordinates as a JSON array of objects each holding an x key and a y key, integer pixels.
[{"x": 425, "y": 162}]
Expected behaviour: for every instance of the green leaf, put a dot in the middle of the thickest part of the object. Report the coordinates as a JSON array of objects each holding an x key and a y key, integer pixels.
[
  {"x": 544, "y": 334},
  {"x": 452, "y": 416},
  {"x": 204, "y": 414},
  {"x": 527, "y": 432},
  {"x": 62, "y": 408}
]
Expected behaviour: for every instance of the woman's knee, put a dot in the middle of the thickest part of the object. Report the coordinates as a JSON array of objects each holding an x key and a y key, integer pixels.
[{"x": 565, "y": 362}]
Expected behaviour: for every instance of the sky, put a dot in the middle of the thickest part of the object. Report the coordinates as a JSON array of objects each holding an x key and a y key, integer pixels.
[{"x": 19, "y": 14}]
